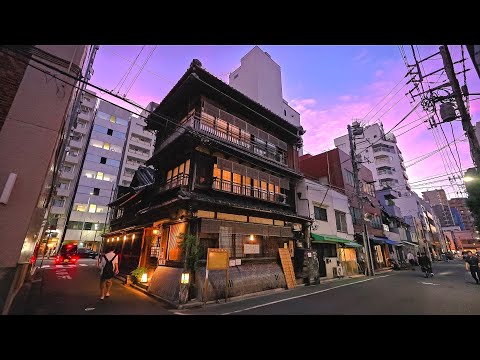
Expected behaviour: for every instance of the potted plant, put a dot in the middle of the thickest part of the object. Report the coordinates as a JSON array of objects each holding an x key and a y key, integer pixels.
[
  {"x": 190, "y": 254},
  {"x": 137, "y": 274}
]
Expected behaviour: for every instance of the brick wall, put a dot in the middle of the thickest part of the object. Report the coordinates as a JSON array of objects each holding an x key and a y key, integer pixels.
[{"x": 12, "y": 72}]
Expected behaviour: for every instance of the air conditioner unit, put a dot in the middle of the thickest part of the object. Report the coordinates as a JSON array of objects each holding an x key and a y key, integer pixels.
[{"x": 337, "y": 271}]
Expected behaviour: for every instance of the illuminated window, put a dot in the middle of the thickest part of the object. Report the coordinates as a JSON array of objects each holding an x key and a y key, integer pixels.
[
  {"x": 217, "y": 172},
  {"x": 106, "y": 146},
  {"x": 113, "y": 119},
  {"x": 80, "y": 207},
  {"x": 187, "y": 166},
  {"x": 100, "y": 175},
  {"x": 92, "y": 208},
  {"x": 169, "y": 175}
]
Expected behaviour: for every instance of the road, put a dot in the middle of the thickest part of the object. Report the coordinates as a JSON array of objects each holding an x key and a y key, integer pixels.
[
  {"x": 450, "y": 291},
  {"x": 74, "y": 290}
]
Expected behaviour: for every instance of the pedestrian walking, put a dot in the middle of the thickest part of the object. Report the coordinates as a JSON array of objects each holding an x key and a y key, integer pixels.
[
  {"x": 471, "y": 263},
  {"x": 108, "y": 269},
  {"x": 425, "y": 264},
  {"x": 411, "y": 260}
]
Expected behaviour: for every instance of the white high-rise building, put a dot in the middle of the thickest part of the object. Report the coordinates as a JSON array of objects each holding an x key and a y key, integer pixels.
[
  {"x": 139, "y": 146},
  {"x": 383, "y": 158},
  {"x": 260, "y": 78}
]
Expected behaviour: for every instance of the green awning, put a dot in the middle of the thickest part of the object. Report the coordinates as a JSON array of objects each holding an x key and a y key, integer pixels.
[
  {"x": 329, "y": 239},
  {"x": 353, "y": 244}
]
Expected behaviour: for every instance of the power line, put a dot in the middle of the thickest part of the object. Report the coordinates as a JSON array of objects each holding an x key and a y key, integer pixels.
[
  {"x": 124, "y": 77},
  {"x": 140, "y": 70}
]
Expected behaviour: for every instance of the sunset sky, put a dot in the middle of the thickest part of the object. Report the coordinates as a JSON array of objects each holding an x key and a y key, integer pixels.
[{"x": 328, "y": 85}]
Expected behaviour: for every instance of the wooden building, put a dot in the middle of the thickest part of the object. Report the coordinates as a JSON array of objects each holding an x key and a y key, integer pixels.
[{"x": 225, "y": 171}]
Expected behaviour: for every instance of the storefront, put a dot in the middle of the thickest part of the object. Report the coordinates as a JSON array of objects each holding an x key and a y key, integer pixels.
[{"x": 384, "y": 249}]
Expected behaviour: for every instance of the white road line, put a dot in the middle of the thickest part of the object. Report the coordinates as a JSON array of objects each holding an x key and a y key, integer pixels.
[
  {"x": 83, "y": 264},
  {"x": 45, "y": 266},
  {"x": 89, "y": 309},
  {"x": 179, "y": 313},
  {"x": 300, "y": 296},
  {"x": 428, "y": 283}
]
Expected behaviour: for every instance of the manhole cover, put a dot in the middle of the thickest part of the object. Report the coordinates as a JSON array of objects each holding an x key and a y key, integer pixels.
[{"x": 89, "y": 309}]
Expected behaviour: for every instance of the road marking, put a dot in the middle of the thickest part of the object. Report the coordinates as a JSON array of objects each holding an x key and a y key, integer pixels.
[
  {"x": 446, "y": 273},
  {"x": 428, "y": 283},
  {"x": 300, "y": 296},
  {"x": 45, "y": 266},
  {"x": 179, "y": 313},
  {"x": 59, "y": 266},
  {"x": 83, "y": 264},
  {"x": 68, "y": 277},
  {"x": 89, "y": 309}
]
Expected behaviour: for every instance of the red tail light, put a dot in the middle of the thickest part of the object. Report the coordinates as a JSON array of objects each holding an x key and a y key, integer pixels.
[{"x": 74, "y": 258}]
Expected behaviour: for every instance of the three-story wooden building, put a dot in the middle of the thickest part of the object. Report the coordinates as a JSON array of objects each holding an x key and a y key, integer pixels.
[{"x": 226, "y": 170}]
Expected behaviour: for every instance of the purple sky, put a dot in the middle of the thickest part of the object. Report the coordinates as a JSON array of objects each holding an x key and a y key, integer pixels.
[{"x": 328, "y": 85}]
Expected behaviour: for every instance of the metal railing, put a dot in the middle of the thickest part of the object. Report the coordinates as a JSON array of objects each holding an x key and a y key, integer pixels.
[
  {"x": 200, "y": 123},
  {"x": 382, "y": 172},
  {"x": 383, "y": 148},
  {"x": 130, "y": 150},
  {"x": 250, "y": 191}
]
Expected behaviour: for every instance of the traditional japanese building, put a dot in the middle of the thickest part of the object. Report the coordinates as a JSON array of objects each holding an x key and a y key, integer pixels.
[{"x": 224, "y": 169}]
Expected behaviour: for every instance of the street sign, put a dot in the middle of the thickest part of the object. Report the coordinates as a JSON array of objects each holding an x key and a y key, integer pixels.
[{"x": 217, "y": 259}]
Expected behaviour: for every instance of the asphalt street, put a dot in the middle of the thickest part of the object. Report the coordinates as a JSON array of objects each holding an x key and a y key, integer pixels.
[
  {"x": 450, "y": 291},
  {"x": 74, "y": 290}
]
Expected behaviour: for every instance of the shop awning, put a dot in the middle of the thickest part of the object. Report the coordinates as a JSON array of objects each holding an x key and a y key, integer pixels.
[
  {"x": 380, "y": 240},
  {"x": 353, "y": 244},
  {"x": 409, "y": 243},
  {"x": 329, "y": 239}
]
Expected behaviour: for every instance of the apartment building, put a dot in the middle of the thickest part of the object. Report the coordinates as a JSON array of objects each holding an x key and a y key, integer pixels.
[
  {"x": 460, "y": 204},
  {"x": 439, "y": 203}
]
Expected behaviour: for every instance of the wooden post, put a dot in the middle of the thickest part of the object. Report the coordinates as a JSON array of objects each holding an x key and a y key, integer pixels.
[{"x": 205, "y": 288}]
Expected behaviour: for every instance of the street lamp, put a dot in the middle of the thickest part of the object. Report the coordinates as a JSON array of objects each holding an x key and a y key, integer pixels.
[{"x": 468, "y": 178}]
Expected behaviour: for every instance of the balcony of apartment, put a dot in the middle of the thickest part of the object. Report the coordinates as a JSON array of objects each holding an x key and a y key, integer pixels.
[
  {"x": 388, "y": 182},
  {"x": 248, "y": 191},
  {"x": 85, "y": 116},
  {"x": 138, "y": 153},
  {"x": 382, "y": 160},
  {"x": 77, "y": 144},
  {"x": 390, "y": 138},
  {"x": 68, "y": 175},
  {"x": 63, "y": 192},
  {"x": 57, "y": 210},
  {"x": 385, "y": 170},
  {"x": 393, "y": 210},
  {"x": 72, "y": 159},
  {"x": 128, "y": 174},
  {"x": 381, "y": 149},
  {"x": 141, "y": 142},
  {"x": 82, "y": 127},
  {"x": 175, "y": 181}
]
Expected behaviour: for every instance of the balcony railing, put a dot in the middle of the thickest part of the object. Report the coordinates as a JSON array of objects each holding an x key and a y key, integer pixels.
[
  {"x": 176, "y": 181},
  {"x": 383, "y": 148},
  {"x": 138, "y": 152},
  {"x": 140, "y": 141},
  {"x": 250, "y": 191},
  {"x": 260, "y": 148},
  {"x": 383, "y": 172}
]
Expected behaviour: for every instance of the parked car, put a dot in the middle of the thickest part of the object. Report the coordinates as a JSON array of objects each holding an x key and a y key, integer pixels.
[
  {"x": 67, "y": 255},
  {"x": 87, "y": 253}
]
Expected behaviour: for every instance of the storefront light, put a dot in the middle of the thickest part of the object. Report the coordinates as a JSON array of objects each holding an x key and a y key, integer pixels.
[
  {"x": 118, "y": 238},
  {"x": 252, "y": 237},
  {"x": 133, "y": 236},
  {"x": 185, "y": 278},
  {"x": 144, "y": 278},
  {"x": 125, "y": 238},
  {"x": 155, "y": 231}
]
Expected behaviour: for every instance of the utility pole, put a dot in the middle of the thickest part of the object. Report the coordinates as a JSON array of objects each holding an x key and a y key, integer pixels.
[
  {"x": 366, "y": 239},
  {"x": 464, "y": 115}
]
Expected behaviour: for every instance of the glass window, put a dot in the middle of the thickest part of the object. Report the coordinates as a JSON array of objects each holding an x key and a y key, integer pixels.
[
  {"x": 103, "y": 160},
  {"x": 99, "y": 175},
  {"x": 96, "y": 192},
  {"x": 217, "y": 172},
  {"x": 169, "y": 175},
  {"x": 108, "y": 177},
  {"x": 100, "y": 129},
  {"x": 226, "y": 175},
  {"x": 92, "y": 208},
  {"x": 84, "y": 189},
  {"x": 101, "y": 209},
  {"x": 96, "y": 143},
  {"x": 341, "y": 221},
  {"x": 80, "y": 207},
  {"x": 116, "y": 148},
  {"x": 320, "y": 213},
  {"x": 123, "y": 122},
  {"x": 92, "y": 158},
  {"x": 112, "y": 162},
  {"x": 89, "y": 174},
  {"x": 58, "y": 202},
  {"x": 349, "y": 177},
  {"x": 113, "y": 118},
  {"x": 187, "y": 166},
  {"x": 75, "y": 225},
  {"x": 106, "y": 146},
  {"x": 175, "y": 171},
  {"x": 109, "y": 132},
  {"x": 103, "y": 115},
  {"x": 181, "y": 168},
  {"x": 63, "y": 185},
  {"x": 119, "y": 134}
]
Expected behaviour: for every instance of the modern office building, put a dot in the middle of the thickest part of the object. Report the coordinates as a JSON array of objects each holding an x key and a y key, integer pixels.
[
  {"x": 260, "y": 78},
  {"x": 381, "y": 154},
  {"x": 467, "y": 218},
  {"x": 34, "y": 108},
  {"x": 439, "y": 203}
]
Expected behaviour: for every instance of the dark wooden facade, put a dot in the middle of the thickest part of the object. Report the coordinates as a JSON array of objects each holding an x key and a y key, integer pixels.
[{"x": 225, "y": 170}]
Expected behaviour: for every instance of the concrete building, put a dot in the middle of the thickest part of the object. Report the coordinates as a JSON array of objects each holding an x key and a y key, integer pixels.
[
  {"x": 332, "y": 233},
  {"x": 439, "y": 203},
  {"x": 33, "y": 111},
  {"x": 383, "y": 158},
  {"x": 70, "y": 170},
  {"x": 460, "y": 204},
  {"x": 139, "y": 146},
  {"x": 104, "y": 166},
  {"x": 260, "y": 78}
]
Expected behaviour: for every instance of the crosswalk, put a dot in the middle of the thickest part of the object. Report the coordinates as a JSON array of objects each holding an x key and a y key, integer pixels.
[{"x": 61, "y": 266}]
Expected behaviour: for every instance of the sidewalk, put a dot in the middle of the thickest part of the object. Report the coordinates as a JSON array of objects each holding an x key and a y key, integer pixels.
[{"x": 197, "y": 304}]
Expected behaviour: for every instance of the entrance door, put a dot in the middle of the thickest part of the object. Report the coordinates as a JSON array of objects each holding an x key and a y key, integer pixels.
[{"x": 321, "y": 260}]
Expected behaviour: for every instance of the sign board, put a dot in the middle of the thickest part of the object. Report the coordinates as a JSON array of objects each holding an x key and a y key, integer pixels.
[
  {"x": 287, "y": 267},
  {"x": 251, "y": 248},
  {"x": 217, "y": 259}
]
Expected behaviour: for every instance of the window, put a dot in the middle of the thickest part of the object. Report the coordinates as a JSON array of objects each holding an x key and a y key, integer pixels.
[
  {"x": 320, "y": 213},
  {"x": 349, "y": 177},
  {"x": 92, "y": 208},
  {"x": 67, "y": 168},
  {"x": 341, "y": 220},
  {"x": 58, "y": 202},
  {"x": 99, "y": 175},
  {"x": 235, "y": 76},
  {"x": 100, "y": 129},
  {"x": 118, "y": 135},
  {"x": 112, "y": 162},
  {"x": 92, "y": 158},
  {"x": 96, "y": 191},
  {"x": 285, "y": 112},
  {"x": 89, "y": 174},
  {"x": 75, "y": 225},
  {"x": 106, "y": 146},
  {"x": 103, "y": 160},
  {"x": 63, "y": 185},
  {"x": 80, "y": 207},
  {"x": 121, "y": 122},
  {"x": 109, "y": 132}
]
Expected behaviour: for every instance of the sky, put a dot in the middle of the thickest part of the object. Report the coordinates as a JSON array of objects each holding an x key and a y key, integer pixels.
[{"x": 328, "y": 85}]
